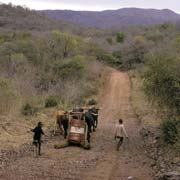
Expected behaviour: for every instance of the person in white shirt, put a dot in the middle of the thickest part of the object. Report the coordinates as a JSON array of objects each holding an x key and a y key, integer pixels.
[{"x": 120, "y": 131}]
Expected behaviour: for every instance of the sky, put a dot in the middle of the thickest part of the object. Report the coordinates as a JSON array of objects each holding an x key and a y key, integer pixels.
[{"x": 96, "y": 5}]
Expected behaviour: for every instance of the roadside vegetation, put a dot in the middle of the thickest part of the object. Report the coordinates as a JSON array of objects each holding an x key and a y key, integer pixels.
[
  {"x": 36, "y": 67},
  {"x": 151, "y": 55},
  {"x": 43, "y": 65}
]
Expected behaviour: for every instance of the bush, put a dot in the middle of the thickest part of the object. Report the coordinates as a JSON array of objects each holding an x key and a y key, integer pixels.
[
  {"x": 8, "y": 96},
  {"x": 155, "y": 36},
  {"x": 109, "y": 40},
  {"x": 108, "y": 58},
  {"x": 29, "y": 110},
  {"x": 171, "y": 130},
  {"x": 162, "y": 82},
  {"x": 51, "y": 102},
  {"x": 92, "y": 102},
  {"x": 120, "y": 37},
  {"x": 70, "y": 67}
]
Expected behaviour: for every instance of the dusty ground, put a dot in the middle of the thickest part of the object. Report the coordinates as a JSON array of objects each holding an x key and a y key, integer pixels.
[{"x": 102, "y": 162}]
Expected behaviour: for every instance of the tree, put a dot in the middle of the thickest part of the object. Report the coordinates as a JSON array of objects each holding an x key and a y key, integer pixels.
[
  {"x": 70, "y": 68},
  {"x": 7, "y": 49},
  {"x": 176, "y": 43},
  {"x": 2, "y": 39},
  {"x": 133, "y": 53},
  {"x": 42, "y": 50},
  {"x": 162, "y": 82},
  {"x": 7, "y": 96},
  {"x": 155, "y": 36},
  {"x": 109, "y": 40},
  {"x": 120, "y": 36},
  {"x": 112, "y": 59},
  {"x": 18, "y": 64},
  {"x": 62, "y": 45}
]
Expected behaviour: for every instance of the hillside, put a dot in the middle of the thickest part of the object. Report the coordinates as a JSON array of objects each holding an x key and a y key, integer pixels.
[
  {"x": 41, "y": 61},
  {"x": 115, "y": 18},
  {"x": 17, "y": 17},
  {"x": 20, "y": 18}
]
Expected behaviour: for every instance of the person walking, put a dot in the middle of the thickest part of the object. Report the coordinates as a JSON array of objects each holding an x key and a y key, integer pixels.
[
  {"x": 120, "y": 132},
  {"x": 65, "y": 124},
  {"x": 89, "y": 121},
  {"x": 94, "y": 112},
  {"x": 37, "y": 137}
]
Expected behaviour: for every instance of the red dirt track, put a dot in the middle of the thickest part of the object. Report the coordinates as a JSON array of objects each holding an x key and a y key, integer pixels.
[{"x": 102, "y": 162}]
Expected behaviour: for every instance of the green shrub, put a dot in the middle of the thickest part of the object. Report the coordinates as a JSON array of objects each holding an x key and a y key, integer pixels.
[
  {"x": 8, "y": 97},
  {"x": 117, "y": 54},
  {"x": 92, "y": 102},
  {"x": 108, "y": 58},
  {"x": 51, "y": 102},
  {"x": 109, "y": 40},
  {"x": 176, "y": 42},
  {"x": 155, "y": 36},
  {"x": 171, "y": 130},
  {"x": 29, "y": 110},
  {"x": 29, "y": 49},
  {"x": 70, "y": 67},
  {"x": 120, "y": 37},
  {"x": 162, "y": 82}
]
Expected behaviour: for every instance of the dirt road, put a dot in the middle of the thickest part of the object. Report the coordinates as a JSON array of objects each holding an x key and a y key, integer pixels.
[{"x": 102, "y": 162}]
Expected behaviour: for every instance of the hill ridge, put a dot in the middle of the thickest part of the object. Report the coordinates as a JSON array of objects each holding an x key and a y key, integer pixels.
[{"x": 115, "y": 18}]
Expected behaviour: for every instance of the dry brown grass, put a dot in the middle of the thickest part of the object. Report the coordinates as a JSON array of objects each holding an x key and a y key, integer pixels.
[
  {"x": 15, "y": 131},
  {"x": 15, "y": 128}
]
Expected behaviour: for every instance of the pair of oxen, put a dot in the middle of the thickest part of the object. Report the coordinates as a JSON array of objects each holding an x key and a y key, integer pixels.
[{"x": 90, "y": 115}]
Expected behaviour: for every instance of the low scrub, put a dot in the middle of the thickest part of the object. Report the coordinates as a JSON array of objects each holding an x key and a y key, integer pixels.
[
  {"x": 171, "y": 130},
  {"x": 92, "y": 102},
  {"x": 108, "y": 58},
  {"x": 51, "y": 102},
  {"x": 7, "y": 96},
  {"x": 29, "y": 110},
  {"x": 161, "y": 82}
]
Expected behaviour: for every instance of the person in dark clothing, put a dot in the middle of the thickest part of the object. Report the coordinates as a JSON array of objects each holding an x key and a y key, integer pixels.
[
  {"x": 92, "y": 119},
  {"x": 37, "y": 136},
  {"x": 94, "y": 112},
  {"x": 88, "y": 136},
  {"x": 89, "y": 121},
  {"x": 65, "y": 124}
]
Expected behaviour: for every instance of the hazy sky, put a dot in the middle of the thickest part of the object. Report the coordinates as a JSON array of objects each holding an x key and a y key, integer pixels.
[{"x": 97, "y": 5}]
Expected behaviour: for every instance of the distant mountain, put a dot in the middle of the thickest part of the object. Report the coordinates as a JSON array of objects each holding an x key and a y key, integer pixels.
[
  {"x": 115, "y": 18},
  {"x": 20, "y": 18}
]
